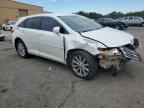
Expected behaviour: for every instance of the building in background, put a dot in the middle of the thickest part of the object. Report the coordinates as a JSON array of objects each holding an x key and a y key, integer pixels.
[{"x": 12, "y": 10}]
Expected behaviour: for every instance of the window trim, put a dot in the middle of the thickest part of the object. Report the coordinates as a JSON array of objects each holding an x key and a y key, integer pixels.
[{"x": 25, "y": 20}]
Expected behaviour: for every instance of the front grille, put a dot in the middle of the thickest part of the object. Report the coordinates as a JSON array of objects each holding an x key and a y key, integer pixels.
[{"x": 128, "y": 53}]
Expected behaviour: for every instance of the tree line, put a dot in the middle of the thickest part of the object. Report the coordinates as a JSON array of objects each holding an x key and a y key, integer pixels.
[{"x": 114, "y": 15}]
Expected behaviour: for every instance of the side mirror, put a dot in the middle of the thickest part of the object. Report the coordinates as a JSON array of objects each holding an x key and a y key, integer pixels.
[{"x": 56, "y": 30}]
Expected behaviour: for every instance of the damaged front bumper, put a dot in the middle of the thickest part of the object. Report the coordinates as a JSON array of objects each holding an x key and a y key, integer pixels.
[
  {"x": 118, "y": 57},
  {"x": 131, "y": 54}
]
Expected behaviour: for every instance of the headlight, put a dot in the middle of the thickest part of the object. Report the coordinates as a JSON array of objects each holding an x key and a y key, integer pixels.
[{"x": 111, "y": 52}]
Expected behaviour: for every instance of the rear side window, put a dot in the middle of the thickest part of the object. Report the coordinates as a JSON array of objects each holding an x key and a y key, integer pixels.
[
  {"x": 22, "y": 24},
  {"x": 48, "y": 24},
  {"x": 33, "y": 23}
]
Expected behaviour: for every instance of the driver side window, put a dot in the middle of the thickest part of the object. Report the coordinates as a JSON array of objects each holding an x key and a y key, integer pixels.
[{"x": 48, "y": 24}]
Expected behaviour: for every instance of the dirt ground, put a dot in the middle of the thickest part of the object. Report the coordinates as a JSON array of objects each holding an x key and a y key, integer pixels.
[{"x": 40, "y": 83}]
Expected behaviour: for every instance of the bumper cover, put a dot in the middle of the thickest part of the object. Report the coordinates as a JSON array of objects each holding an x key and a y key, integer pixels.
[
  {"x": 131, "y": 54},
  {"x": 127, "y": 53}
]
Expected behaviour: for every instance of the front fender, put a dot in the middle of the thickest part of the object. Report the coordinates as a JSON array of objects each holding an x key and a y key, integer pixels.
[{"x": 81, "y": 44}]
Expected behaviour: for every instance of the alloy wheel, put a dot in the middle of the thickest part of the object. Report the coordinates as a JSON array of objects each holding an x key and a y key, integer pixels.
[
  {"x": 21, "y": 49},
  {"x": 80, "y": 66}
]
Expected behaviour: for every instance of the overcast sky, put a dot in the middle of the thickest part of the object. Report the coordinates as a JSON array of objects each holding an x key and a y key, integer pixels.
[{"x": 100, "y": 6}]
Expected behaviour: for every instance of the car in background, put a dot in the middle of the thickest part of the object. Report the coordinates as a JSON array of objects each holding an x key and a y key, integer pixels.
[
  {"x": 74, "y": 40},
  {"x": 8, "y": 25},
  {"x": 126, "y": 24},
  {"x": 133, "y": 20},
  {"x": 109, "y": 22},
  {"x": 2, "y": 37}
]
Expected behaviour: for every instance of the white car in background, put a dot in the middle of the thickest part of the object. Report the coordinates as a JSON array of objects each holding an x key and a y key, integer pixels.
[
  {"x": 76, "y": 41},
  {"x": 2, "y": 37},
  {"x": 133, "y": 20},
  {"x": 8, "y": 25}
]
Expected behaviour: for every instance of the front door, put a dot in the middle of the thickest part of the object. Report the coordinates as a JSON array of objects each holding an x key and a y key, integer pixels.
[{"x": 51, "y": 44}]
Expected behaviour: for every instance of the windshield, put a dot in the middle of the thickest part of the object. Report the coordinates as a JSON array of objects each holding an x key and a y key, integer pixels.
[{"x": 79, "y": 23}]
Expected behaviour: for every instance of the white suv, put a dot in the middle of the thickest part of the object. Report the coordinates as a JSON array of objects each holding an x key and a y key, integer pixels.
[
  {"x": 133, "y": 20},
  {"x": 76, "y": 41}
]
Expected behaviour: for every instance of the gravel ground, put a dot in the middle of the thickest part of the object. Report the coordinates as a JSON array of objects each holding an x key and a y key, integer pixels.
[{"x": 41, "y": 83}]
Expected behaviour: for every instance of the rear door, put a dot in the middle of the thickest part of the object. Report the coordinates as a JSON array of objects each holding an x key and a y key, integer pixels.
[
  {"x": 29, "y": 30},
  {"x": 131, "y": 20}
]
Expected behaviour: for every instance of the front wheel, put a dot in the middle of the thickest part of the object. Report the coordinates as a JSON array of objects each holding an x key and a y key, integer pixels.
[
  {"x": 83, "y": 65},
  {"x": 21, "y": 48}
]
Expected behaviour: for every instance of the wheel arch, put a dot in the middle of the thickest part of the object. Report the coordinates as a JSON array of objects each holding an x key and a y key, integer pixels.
[
  {"x": 69, "y": 52},
  {"x": 16, "y": 40}
]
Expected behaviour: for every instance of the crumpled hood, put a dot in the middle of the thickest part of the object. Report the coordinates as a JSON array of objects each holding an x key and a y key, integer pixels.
[{"x": 110, "y": 37}]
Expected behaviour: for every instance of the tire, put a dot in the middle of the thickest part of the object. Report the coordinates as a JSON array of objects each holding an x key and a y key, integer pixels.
[
  {"x": 83, "y": 65},
  {"x": 21, "y": 49}
]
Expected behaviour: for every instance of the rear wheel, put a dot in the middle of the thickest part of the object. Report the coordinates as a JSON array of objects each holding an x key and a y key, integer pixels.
[
  {"x": 21, "y": 48},
  {"x": 83, "y": 65}
]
